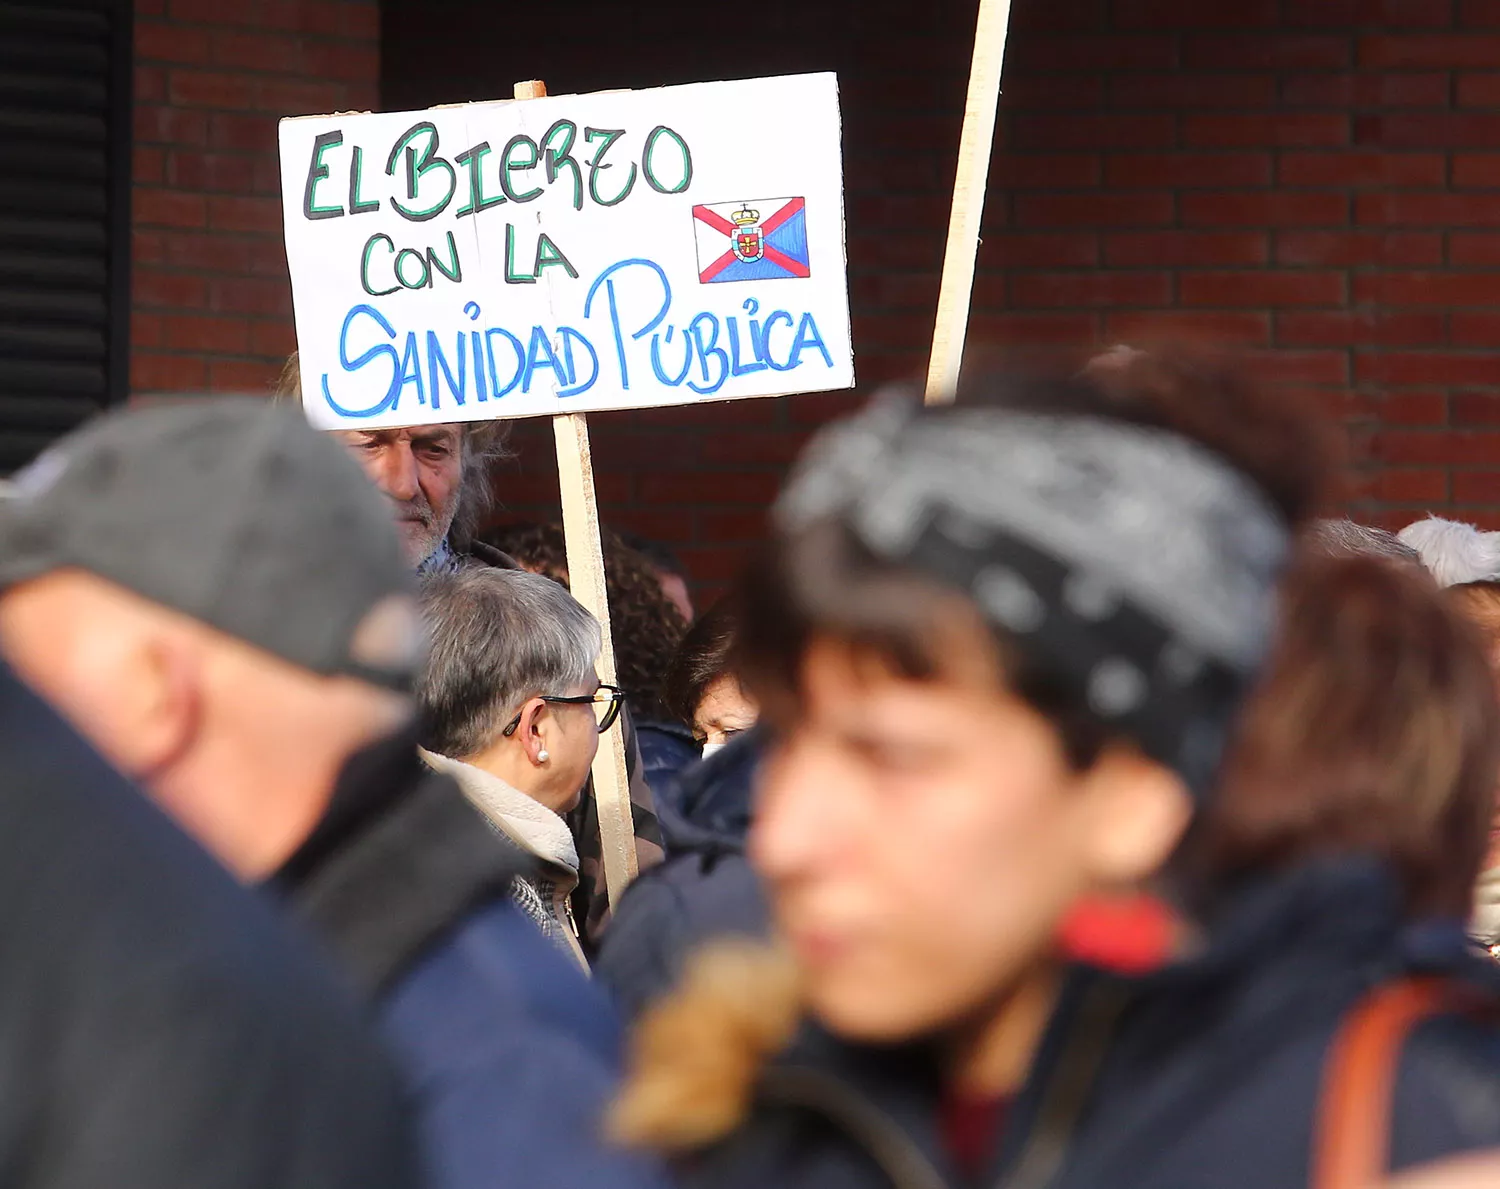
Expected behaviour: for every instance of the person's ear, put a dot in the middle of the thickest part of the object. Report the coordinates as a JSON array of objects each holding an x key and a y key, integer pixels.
[
  {"x": 1134, "y": 813},
  {"x": 163, "y": 706},
  {"x": 535, "y": 730}
]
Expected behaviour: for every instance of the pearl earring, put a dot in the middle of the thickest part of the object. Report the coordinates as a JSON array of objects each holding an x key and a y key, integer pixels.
[{"x": 542, "y": 757}]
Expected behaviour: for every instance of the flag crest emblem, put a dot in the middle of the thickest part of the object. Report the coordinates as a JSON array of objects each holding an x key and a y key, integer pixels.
[{"x": 760, "y": 240}]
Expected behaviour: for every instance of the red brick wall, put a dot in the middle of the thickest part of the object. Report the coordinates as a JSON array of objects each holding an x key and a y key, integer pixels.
[
  {"x": 212, "y": 310},
  {"x": 1310, "y": 179},
  {"x": 1313, "y": 180}
]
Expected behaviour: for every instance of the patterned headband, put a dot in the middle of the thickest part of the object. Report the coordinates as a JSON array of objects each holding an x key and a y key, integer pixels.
[{"x": 1126, "y": 562}]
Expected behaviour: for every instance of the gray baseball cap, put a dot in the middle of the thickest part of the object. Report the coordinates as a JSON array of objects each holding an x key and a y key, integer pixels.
[{"x": 235, "y": 513}]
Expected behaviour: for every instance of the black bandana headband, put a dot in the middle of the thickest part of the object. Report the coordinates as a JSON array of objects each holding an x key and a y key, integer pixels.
[{"x": 1129, "y": 564}]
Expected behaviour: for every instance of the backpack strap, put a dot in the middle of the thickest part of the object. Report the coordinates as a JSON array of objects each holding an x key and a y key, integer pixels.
[{"x": 1351, "y": 1140}]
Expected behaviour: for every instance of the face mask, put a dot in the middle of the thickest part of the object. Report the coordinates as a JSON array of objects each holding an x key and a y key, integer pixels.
[{"x": 713, "y": 748}]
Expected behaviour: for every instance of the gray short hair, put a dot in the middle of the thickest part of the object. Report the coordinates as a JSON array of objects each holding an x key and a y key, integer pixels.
[
  {"x": 498, "y": 638},
  {"x": 1345, "y": 538}
]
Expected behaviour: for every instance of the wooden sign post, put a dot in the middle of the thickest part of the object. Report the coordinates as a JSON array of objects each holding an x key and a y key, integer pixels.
[
  {"x": 585, "y": 550},
  {"x": 974, "y": 148}
]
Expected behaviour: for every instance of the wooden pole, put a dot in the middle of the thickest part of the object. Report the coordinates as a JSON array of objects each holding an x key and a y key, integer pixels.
[
  {"x": 974, "y": 147},
  {"x": 585, "y": 549}
]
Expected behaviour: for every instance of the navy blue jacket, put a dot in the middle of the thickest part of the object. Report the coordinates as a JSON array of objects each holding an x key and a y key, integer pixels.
[
  {"x": 513, "y": 1056},
  {"x": 159, "y": 1025},
  {"x": 1204, "y": 1076},
  {"x": 510, "y": 1052},
  {"x": 704, "y": 889},
  {"x": 667, "y": 749}
]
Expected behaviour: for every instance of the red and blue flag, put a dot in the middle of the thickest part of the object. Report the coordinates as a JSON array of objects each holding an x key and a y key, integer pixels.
[{"x": 760, "y": 240}]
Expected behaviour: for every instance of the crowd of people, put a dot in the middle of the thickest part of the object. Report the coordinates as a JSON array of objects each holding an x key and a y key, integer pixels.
[{"x": 1060, "y": 800}]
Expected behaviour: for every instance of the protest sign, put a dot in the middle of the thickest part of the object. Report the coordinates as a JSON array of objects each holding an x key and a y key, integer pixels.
[{"x": 568, "y": 254}]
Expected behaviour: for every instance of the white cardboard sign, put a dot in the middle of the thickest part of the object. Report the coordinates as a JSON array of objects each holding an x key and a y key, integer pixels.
[{"x": 568, "y": 254}]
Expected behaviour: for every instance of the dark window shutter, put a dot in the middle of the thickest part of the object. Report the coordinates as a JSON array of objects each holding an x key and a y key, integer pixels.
[{"x": 65, "y": 111}]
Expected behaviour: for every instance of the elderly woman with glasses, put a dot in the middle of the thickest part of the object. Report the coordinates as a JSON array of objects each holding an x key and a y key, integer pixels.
[{"x": 512, "y": 708}]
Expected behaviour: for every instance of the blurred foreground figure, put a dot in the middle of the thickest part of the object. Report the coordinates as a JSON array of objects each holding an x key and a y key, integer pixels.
[
  {"x": 999, "y": 647},
  {"x": 215, "y": 596},
  {"x": 209, "y": 593},
  {"x": 1464, "y": 1172},
  {"x": 1002, "y": 650},
  {"x": 157, "y": 1026}
]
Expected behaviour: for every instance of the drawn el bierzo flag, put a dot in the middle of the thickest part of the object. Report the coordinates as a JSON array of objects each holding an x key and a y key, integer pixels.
[{"x": 760, "y": 240}]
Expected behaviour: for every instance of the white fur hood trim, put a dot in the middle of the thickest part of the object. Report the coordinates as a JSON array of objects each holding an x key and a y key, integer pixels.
[
  {"x": 528, "y": 823},
  {"x": 1454, "y": 552}
]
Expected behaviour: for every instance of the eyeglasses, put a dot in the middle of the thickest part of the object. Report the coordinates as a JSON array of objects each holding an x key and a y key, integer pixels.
[{"x": 610, "y": 697}]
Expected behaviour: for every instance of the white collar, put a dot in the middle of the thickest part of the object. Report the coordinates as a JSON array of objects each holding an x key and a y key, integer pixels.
[{"x": 526, "y": 821}]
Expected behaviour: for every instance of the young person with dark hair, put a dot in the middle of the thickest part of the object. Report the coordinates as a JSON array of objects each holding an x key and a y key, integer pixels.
[
  {"x": 701, "y": 686},
  {"x": 1001, "y": 648}
]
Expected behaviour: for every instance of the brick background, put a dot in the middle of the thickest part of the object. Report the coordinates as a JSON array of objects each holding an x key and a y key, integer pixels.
[
  {"x": 1310, "y": 180},
  {"x": 211, "y": 306}
]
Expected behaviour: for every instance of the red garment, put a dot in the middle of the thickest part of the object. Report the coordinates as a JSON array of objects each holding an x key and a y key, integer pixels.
[
  {"x": 1129, "y": 934},
  {"x": 970, "y": 1129}
]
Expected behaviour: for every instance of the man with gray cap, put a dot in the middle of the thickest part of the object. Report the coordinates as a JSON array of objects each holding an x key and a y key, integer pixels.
[
  {"x": 168, "y": 586},
  {"x": 215, "y": 597},
  {"x": 158, "y": 1026}
]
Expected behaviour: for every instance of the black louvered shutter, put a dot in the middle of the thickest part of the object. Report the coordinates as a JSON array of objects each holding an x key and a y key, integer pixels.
[{"x": 65, "y": 114}]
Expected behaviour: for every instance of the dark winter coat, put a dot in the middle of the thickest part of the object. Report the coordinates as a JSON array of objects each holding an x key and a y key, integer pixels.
[
  {"x": 1208, "y": 1074},
  {"x": 158, "y": 1026},
  {"x": 705, "y": 888},
  {"x": 667, "y": 750},
  {"x": 511, "y": 1052}
]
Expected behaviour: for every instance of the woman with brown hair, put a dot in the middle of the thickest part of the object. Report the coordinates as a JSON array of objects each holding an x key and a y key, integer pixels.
[
  {"x": 1001, "y": 650},
  {"x": 701, "y": 687}
]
